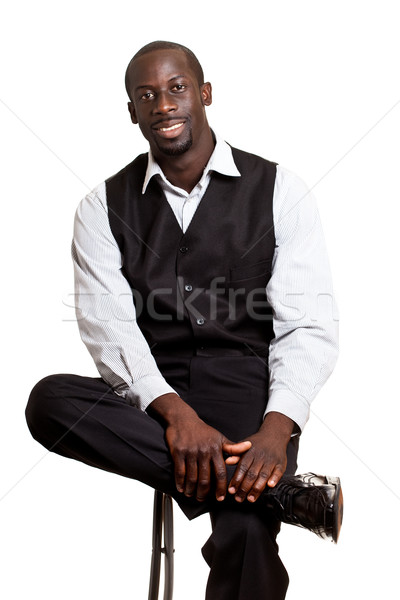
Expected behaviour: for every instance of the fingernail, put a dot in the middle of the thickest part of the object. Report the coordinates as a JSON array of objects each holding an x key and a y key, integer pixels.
[
  {"x": 238, "y": 499},
  {"x": 231, "y": 490},
  {"x": 250, "y": 498},
  {"x": 221, "y": 498}
]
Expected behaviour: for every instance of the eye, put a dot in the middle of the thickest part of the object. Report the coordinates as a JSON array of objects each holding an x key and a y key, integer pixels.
[
  {"x": 147, "y": 96},
  {"x": 179, "y": 87}
]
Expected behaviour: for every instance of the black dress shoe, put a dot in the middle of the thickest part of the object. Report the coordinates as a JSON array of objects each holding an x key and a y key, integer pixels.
[{"x": 312, "y": 501}]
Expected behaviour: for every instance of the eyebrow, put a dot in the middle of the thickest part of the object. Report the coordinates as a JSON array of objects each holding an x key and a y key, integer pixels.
[{"x": 139, "y": 87}]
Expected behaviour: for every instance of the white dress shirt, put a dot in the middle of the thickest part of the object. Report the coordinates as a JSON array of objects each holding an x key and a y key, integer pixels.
[{"x": 304, "y": 349}]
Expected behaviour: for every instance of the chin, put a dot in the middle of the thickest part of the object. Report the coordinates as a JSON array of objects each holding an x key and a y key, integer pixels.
[{"x": 176, "y": 148}]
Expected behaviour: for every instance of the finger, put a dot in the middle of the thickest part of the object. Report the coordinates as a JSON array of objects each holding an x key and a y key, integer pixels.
[
  {"x": 203, "y": 482},
  {"x": 220, "y": 476},
  {"x": 276, "y": 475},
  {"x": 191, "y": 476},
  {"x": 266, "y": 475},
  {"x": 236, "y": 448},
  {"x": 232, "y": 460},
  {"x": 248, "y": 481},
  {"x": 240, "y": 473},
  {"x": 258, "y": 487},
  {"x": 180, "y": 472}
]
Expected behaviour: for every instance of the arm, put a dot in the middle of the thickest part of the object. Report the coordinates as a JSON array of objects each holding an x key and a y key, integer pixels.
[
  {"x": 105, "y": 309},
  {"x": 304, "y": 350},
  {"x": 107, "y": 323}
]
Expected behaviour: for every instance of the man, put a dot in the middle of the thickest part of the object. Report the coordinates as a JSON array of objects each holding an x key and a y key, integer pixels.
[{"x": 185, "y": 266}]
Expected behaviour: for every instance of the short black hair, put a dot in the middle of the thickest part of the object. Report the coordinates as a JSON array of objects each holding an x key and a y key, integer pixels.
[{"x": 162, "y": 45}]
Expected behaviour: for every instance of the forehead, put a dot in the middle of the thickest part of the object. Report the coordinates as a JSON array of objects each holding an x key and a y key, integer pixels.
[{"x": 158, "y": 67}]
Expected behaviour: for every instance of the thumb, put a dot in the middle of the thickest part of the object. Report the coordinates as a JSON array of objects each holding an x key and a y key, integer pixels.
[
  {"x": 232, "y": 460},
  {"x": 236, "y": 448}
]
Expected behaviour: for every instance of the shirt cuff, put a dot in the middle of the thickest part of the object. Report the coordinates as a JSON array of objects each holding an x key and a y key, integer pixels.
[
  {"x": 293, "y": 406},
  {"x": 145, "y": 390}
]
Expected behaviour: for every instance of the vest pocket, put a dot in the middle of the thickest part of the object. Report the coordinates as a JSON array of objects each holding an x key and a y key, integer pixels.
[{"x": 247, "y": 272}]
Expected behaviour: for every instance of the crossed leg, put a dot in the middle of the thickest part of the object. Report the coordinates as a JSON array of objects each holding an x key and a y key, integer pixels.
[{"x": 82, "y": 418}]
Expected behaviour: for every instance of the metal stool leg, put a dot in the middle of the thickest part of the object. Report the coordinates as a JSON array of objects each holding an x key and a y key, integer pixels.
[
  {"x": 156, "y": 551},
  {"x": 162, "y": 523},
  {"x": 168, "y": 547}
]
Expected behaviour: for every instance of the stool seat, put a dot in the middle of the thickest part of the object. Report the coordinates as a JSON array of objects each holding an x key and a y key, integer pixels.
[{"x": 163, "y": 532}]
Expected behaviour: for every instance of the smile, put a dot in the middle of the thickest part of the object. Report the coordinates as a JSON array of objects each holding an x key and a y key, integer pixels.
[{"x": 170, "y": 128}]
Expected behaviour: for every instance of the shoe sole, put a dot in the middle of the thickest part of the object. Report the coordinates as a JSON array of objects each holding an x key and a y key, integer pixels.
[{"x": 337, "y": 507}]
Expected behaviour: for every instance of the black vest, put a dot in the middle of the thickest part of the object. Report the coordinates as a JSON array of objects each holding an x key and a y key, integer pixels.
[{"x": 204, "y": 289}]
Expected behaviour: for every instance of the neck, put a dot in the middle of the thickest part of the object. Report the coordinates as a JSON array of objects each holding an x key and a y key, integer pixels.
[{"x": 185, "y": 171}]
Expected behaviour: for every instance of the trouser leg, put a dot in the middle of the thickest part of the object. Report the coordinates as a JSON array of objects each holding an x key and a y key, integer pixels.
[
  {"x": 82, "y": 418},
  {"x": 243, "y": 556},
  {"x": 242, "y": 551}
]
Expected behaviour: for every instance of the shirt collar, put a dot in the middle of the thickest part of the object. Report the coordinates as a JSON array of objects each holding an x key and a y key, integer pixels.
[{"x": 221, "y": 160}]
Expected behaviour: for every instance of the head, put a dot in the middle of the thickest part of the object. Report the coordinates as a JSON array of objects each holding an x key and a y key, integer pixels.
[{"x": 168, "y": 96}]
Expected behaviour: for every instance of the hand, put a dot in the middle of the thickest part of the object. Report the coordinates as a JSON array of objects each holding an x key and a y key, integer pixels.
[
  {"x": 197, "y": 451},
  {"x": 265, "y": 462},
  {"x": 196, "y": 448}
]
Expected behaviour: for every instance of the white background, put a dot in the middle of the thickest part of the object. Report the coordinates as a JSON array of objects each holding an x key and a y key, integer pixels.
[{"x": 312, "y": 85}]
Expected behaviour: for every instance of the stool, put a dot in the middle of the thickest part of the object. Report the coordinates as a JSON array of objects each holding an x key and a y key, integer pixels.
[{"x": 163, "y": 531}]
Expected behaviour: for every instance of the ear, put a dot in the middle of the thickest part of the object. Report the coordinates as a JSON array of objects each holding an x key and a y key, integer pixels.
[
  {"x": 206, "y": 93},
  {"x": 132, "y": 112}
]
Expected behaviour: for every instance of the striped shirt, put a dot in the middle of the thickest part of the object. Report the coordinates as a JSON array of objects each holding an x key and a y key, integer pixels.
[{"x": 304, "y": 349}]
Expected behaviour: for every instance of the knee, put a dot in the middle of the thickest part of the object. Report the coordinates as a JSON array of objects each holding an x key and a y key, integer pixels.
[
  {"x": 243, "y": 539},
  {"x": 243, "y": 525},
  {"x": 42, "y": 404},
  {"x": 241, "y": 522}
]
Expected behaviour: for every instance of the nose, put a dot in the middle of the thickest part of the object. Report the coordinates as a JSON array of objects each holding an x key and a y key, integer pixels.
[{"x": 164, "y": 103}]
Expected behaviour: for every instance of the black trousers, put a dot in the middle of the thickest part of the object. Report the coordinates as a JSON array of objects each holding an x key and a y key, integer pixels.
[{"x": 82, "y": 418}]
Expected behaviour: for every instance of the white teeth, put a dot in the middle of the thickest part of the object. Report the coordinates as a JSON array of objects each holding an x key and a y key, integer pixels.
[{"x": 171, "y": 128}]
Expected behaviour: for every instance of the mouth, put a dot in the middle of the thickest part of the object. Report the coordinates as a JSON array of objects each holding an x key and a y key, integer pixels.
[
  {"x": 169, "y": 131},
  {"x": 171, "y": 128}
]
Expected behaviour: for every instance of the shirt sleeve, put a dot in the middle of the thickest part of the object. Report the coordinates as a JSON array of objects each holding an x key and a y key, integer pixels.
[
  {"x": 304, "y": 349},
  {"x": 105, "y": 309}
]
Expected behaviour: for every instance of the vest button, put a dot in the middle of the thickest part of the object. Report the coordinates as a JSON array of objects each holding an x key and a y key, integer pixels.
[
  {"x": 183, "y": 249},
  {"x": 188, "y": 288},
  {"x": 200, "y": 321}
]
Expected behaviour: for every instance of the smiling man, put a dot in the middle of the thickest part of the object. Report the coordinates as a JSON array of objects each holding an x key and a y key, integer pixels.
[
  {"x": 185, "y": 265},
  {"x": 178, "y": 126}
]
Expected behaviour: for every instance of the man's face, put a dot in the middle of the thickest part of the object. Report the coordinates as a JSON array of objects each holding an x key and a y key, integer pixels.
[{"x": 168, "y": 102}]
